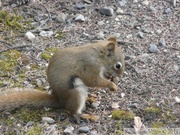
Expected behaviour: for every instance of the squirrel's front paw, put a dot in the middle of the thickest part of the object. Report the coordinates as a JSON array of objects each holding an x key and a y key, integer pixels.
[{"x": 113, "y": 87}]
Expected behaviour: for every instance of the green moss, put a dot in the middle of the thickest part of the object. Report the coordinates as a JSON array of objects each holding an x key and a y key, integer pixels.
[
  {"x": 34, "y": 131},
  {"x": 161, "y": 131},
  {"x": 49, "y": 52},
  {"x": 152, "y": 109},
  {"x": 52, "y": 49},
  {"x": 10, "y": 21},
  {"x": 119, "y": 132},
  {"x": 27, "y": 115},
  {"x": 59, "y": 34},
  {"x": 8, "y": 61},
  {"x": 45, "y": 56},
  {"x": 168, "y": 115},
  {"x": 9, "y": 121},
  {"x": 122, "y": 114},
  {"x": 157, "y": 124}
]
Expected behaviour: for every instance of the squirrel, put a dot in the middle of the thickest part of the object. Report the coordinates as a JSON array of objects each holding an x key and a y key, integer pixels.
[{"x": 70, "y": 72}]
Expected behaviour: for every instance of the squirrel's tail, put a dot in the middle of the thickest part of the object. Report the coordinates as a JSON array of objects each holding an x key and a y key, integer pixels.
[{"x": 27, "y": 98}]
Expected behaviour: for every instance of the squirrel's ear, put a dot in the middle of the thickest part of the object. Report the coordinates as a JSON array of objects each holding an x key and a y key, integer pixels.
[
  {"x": 113, "y": 39},
  {"x": 110, "y": 48}
]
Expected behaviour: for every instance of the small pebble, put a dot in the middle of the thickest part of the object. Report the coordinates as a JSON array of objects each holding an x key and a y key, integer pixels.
[
  {"x": 117, "y": 19},
  {"x": 158, "y": 31},
  {"x": 162, "y": 42},
  {"x": 30, "y": 35},
  {"x": 85, "y": 35},
  {"x": 79, "y": 5},
  {"x": 176, "y": 67},
  {"x": 165, "y": 50},
  {"x": 140, "y": 34},
  {"x": 117, "y": 35},
  {"x": 46, "y": 33},
  {"x": 80, "y": 18},
  {"x": 69, "y": 130},
  {"x": 153, "y": 48},
  {"x": 100, "y": 35},
  {"x": 135, "y": 1},
  {"x": 106, "y": 11},
  {"x": 95, "y": 104},
  {"x": 100, "y": 23},
  {"x": 119, "y": 11},
  {"x": 152, "y": 9},
  {"x": 167, "y": 11},
  {"x": 122, "y": 3},
  {"x": 61, "y": 18},
  {"x": 93, "y": 133},
  {"x": 145, "y": 2},
  {"x": 30, "y": 123},
  {"x": 83, "y": 129},
  {"x": 87, "y": 1},
  {"x": 69, "y": 21},
  {"x": 48, "y": 120}
]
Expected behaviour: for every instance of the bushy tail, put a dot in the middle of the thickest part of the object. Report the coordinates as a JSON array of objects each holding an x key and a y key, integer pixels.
[{"x": 27, "y": 98}]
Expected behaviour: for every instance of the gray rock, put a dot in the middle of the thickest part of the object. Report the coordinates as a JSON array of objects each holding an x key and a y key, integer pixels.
[
  {"x": 167, "y": 11},
  {"x": 46, "y": 33},
  {"x": 152, "y": 9},
  {"x": 80, "y": 18},
  {"x": 122, "y": 3},
  {"x": 83, "y": 129},
  {"x": 30, "y": 123},
  {"x": 85, "y": 35},
  {"x": 61, "y": 18},
  {"x": 107, "y": 11},
  {"x": 153, "y": 48},
  {"x": 140, "y": 34},
  {"x": 69, "y": 131},
  {"x": 79, "y": 5},
  {"x": 35, "y": 24},
  {"x": 162, "y": 42},
  {"x": 69, "y": 20},
  {"x": 48, "y": 120}
]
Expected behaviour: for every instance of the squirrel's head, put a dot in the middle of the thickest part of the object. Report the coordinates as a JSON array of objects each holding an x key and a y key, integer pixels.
[{"x": 114, "y": 59}]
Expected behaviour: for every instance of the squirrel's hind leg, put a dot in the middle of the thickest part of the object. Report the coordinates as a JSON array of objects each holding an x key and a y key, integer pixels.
[{"x": 78, "y": 95}]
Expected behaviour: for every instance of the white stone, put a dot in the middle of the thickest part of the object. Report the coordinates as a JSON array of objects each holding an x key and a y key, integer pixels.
[
  {"x": 46, "y": 33},
  {"x": 48, "y": 120},
  {"x": 29, "y": 35},
  {"x": 79, "y": 18},
  {"x": 69, "y": 130},
  {"x": 117, "y": 19},
  {"x": 146, "y": 3},
  {"x": 119, "y": 11}
]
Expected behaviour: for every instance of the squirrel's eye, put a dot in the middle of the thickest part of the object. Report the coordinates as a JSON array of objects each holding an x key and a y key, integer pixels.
[{"x": 117, "y": 65}]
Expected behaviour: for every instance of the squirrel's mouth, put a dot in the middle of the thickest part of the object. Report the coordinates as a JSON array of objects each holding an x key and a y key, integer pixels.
[{"x": 109, "y": 76}]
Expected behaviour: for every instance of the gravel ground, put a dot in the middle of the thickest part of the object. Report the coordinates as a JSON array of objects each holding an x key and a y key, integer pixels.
[{"x": 148, "y": 31}]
